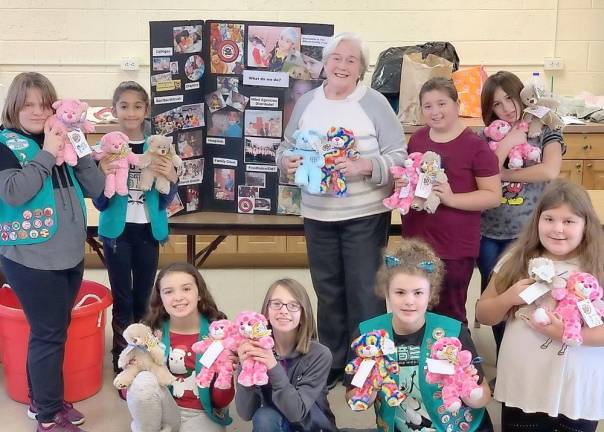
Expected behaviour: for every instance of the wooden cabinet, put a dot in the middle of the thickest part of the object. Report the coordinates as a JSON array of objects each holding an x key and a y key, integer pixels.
[{"x": 583, "y": 161}]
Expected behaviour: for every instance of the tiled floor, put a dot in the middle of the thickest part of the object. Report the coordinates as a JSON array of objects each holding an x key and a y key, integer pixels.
[{"x": 233, "y": 290}]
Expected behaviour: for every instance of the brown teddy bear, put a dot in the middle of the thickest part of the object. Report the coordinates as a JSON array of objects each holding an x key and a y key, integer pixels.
[
  {"x": 430, "y": 173},
  {"x": 143, "y": 353},
  {"x": 536, "y": 103},
  {"x": 160, "y": 146}
]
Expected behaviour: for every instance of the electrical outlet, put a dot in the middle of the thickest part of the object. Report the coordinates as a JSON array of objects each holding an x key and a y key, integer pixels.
[
  {"x": 553, "y": 63},
  {"x": 129, "y": 64}
]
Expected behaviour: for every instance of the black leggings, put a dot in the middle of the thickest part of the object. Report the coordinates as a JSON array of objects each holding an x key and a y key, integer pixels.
[{"x": 516, "y": 420}]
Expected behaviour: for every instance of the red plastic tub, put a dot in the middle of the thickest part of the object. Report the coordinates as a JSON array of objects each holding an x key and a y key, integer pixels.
[{"x": 84, "y": 351}]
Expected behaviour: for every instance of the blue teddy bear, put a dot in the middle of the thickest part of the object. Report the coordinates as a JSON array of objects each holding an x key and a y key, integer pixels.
[{"x": 309, "y": 173}]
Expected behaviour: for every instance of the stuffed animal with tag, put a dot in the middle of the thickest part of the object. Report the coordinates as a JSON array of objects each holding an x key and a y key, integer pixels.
[
  {"x": 540, "y": 103},
  {"x": 222, "y": 333},
  {"x": 116, "y": 150},
  {"x": 253, "y": 326},
  {"x": 70, "y": 115},
  {"x": 543, "y": 271},
  {"x": 159, "y": 147},
  {"x": 579, "y": 287},
  {"x": 520, "y": 153},
  {"x": 340, "y": 143},
  {"x": 308, "y": 173},
  {"x": 143, "y": 353},
  {"x": 372, "y": 346},
  {"x": 430, "y": 173},
  {"x": 463, "y": 382},
  {"x": 402, "y": 197}
]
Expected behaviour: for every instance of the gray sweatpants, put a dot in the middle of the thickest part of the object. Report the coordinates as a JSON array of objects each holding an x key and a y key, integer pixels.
[{"x": 153, "y": 409}]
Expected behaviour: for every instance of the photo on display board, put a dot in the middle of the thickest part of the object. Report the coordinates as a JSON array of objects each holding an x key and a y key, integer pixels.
[
  {"x": 192, "y": 116},
  {"x": 174, "y": 68},
  {"x": 296, "y": 89},
  {"x": 175, "y": 206},
  {"x": 162, "y": 77},
  {"x": 244, "y": 191},
  {"x": 289, "y": 200},
  {"x": 226, "y": 85},
  {"x": 187, "y": 39},
  {"x": 312, "y": 56},
  {"x": 237, "y": 101},
  {"x": 191, "y": 172},
  {"x": 262, "y": 204},
  {"x": 225, "y": 124},
  {"x": 189, "y": 144},
  {"x": 194, "y": 67},
  {"x": 255, "y": 179},
  {"x": 224, "y": 184},
  {"x": 261, "y": 150},
  {"x": 274, "y": 48},
  {"x": 226, "y": 48},
  {"x": 263, "y": 123},
  {"x": 215, "y": 101},
  {"x": 161, "y": 64},
  {"x": 192, "y": 199}
]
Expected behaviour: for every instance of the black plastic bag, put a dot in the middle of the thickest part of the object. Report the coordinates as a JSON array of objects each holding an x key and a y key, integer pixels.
[{"x": 386, "y": 77}]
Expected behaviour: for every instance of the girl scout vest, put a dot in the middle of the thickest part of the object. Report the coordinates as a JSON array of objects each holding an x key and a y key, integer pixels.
[
  {"x": 437, "y": 326},
  {"x": 36, "y": 220},
  {"x": 112, "y": 220},
  {"x": 220, "y": 417}
]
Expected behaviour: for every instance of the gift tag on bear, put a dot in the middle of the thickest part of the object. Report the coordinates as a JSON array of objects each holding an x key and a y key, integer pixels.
[
  {"x": 438, "y": 366},
  {"x": 78, "y": 140},
  {"x": 424, "y": 186},
  {"x": 589, "y": 313},
  {"x": 537, "y": 111},
  {"x": 209, "y": 357},
  {"x": 362, "y": 373},
  {"x": 388, "y": 346},
  {"x": 405, "y": 191},
  {"x": 533, "y": 292}
]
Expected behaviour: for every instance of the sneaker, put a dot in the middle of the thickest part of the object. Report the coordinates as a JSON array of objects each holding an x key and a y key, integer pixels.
[
  {"x": 60, "y": 424},
  {"x": 69, "y": 412},
  {"x": 334, "y": 376}
]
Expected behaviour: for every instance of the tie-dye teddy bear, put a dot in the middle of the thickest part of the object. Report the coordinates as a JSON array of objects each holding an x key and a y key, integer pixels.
[
  {"x": 253, "y": 326},
  {"x": 372, "y": 346},
  {"x": 340, "y": 143},
  {"x": 464, "y": 380},
  {"x": 580, "y": 286}
]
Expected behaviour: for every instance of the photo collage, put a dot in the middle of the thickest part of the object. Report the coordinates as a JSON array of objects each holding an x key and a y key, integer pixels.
[{"x": 249, "y": 76}]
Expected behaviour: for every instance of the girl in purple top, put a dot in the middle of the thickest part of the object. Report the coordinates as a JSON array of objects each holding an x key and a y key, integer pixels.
[{"x": 473, "y": 185}]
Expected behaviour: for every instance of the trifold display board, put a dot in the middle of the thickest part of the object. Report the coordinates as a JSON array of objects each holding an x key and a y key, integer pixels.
[{"x": 225, "y": 90}]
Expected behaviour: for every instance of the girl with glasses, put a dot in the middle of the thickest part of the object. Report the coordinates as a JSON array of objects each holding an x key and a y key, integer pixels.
[{"x": 295, "y": 398}]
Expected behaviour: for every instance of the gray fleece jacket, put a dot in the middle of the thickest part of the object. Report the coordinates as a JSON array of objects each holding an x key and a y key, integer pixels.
[{"x": 297, "y": 388}]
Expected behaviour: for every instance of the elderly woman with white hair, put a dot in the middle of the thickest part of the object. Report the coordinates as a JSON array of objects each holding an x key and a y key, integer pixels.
[{"x": 345, "y": 234}]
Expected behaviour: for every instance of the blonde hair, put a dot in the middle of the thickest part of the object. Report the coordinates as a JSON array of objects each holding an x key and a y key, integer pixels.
[
  {"x": 307, "y": 329},
  {"x": 17, "y": 93},
  {"x": 417, "y": 258},
  {"x": 590, "y": 251}
]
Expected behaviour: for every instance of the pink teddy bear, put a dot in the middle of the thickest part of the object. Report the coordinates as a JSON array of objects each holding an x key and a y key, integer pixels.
[
  {"x": 253, "y": 326},
  {"x": 115, "y": 148},
  {"x": 463, "y": 382},
  {"x": 580, "y": 286},
  {"x": 222, "y": 332},
  {"x": 70, "y": 115},
  {"x": 402, "y": 197},
  {"x": 498, "y": 129}
]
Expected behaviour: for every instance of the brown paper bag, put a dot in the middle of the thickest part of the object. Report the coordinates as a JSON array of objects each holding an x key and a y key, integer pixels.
[{"x": 415, "y": 72}]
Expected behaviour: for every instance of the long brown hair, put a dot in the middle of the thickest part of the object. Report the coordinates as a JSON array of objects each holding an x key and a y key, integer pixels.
[
  {"x": 307, "y": 329},
  {"x": 509, "y": 83},
  {"x": 17, "y": 92},
  {"x": 206, "y": 306},
  {"x": 590, "y": 251},
  {"x": 410, "y": 254}
]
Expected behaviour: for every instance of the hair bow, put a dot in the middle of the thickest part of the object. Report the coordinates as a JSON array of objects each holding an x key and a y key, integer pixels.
[
  {"x": 427, "y": 266},
  {"x": 391, "y": 261}
]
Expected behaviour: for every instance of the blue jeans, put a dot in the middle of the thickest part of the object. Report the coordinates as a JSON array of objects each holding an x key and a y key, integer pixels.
[
  {"x": 490, "y": 252},
  {"x": 268, "y": 419}
]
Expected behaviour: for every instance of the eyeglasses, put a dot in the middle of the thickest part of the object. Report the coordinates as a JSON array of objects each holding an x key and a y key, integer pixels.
[{"x": 278, "y": 304}]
